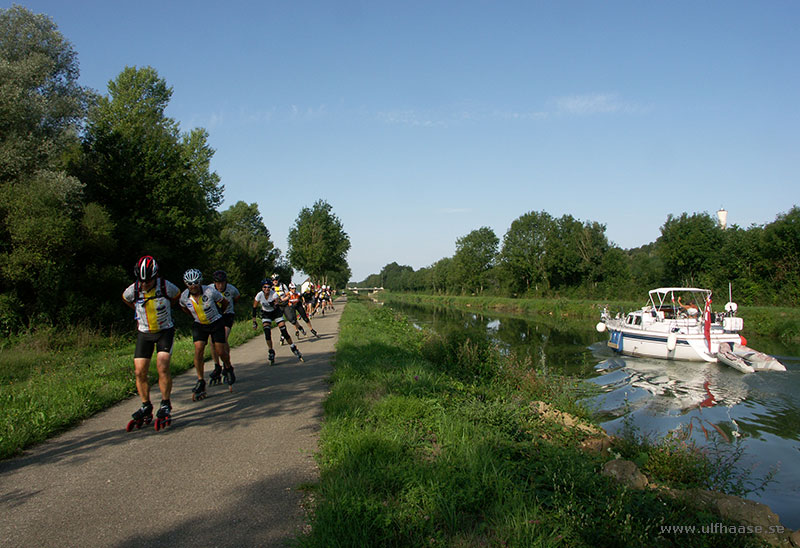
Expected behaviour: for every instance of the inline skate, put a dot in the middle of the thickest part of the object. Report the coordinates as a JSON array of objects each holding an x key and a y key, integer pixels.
[
  {"x": 164, "y": 415},
  {"x": 143, "y": 415},
  {"x": 230, "y": 377},
  {"x": 199, "y": 390},
  {"x": 216, "y": 376},
  {"x": 297, "y": 353}
]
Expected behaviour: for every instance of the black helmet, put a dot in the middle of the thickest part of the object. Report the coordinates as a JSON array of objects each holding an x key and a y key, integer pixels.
[
  {"x": 146, "y": 268},
  {"x": 220, "y": 276}
]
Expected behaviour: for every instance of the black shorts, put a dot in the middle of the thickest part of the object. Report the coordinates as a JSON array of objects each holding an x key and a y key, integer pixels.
[
  {"x": 200, "y": 331},
  {"x": 275, "y": 315},
  {"x": 301, "y": 311},
  {"x": 228, "y": 320},
  {"x": 289, "y": 314},
  {"x": 160, "y": 340}
]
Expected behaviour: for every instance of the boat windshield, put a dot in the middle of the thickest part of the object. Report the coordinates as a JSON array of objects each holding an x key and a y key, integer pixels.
[{"x": 674, "y": 301}]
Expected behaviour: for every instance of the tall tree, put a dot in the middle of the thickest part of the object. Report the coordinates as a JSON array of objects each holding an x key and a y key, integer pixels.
[
  {"x": 155, "y": 182},
  {"x": 42, "y": 227},
  {"x": 523, "y": 253},
  {"x": 475, "y": 256},
  {"x": 689, "y": 245},
  {"x": 318, "y": 243},
  {"x": 244, "y": 248}
]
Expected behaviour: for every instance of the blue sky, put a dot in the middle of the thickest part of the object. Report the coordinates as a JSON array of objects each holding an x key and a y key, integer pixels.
[{"x": 422, "y": 121}]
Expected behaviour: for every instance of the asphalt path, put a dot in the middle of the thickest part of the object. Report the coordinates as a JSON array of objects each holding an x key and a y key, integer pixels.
[{"x": 228, "y": 472}]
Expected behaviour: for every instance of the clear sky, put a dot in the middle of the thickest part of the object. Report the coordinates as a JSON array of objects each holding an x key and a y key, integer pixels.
[{"x": 420, "y": 121}]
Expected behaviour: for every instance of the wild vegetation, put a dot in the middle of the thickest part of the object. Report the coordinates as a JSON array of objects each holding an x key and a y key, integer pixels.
[
  {"x": 432, "y": 440},
  {"x": 52, "y": 378},
  {"x": 542, "y": 256},
  {"x": 90, "y": 182}
]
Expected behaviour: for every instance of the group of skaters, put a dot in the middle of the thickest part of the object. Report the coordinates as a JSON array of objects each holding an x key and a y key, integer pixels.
[{"x": 212, "y": 309}]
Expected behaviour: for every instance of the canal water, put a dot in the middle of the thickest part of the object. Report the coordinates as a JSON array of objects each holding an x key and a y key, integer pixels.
[{"x": 761, "y": 410}]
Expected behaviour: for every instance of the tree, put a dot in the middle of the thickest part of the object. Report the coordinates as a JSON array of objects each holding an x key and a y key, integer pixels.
[
  {"x": 43, "y": 224},
  {"x": 574, "y": 252},
  {"x": 318, "y": 243},
  {"x": 154, "y": 181},
  {"x": 475, "y": 255},
  {"x": 41, "y": 103},
  {"x": 523, "y": 253},
  {"x": 689, "y": 246},
  {"x": 244, "y": 248}
]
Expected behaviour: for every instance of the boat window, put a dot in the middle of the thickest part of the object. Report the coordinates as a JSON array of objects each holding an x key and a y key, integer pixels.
[{"x": 638, "y": 320}]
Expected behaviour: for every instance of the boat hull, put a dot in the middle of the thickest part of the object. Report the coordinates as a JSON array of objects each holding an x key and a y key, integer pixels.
[{"x": 690, "y": 347}]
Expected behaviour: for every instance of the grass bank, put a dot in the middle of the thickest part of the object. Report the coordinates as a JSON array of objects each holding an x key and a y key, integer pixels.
[
  {"x": 433, "y": 441},
  {"x": 779, "y": 322},
  {"x": 52, "y": 378}
]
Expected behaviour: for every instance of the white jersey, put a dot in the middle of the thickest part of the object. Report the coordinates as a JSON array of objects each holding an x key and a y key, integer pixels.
[
  {"x": 268, "y": 303},
  {"x": 230, "y": 293},
  {"x": 153, "y": 308},
  {"x": 203, "y": 307}
]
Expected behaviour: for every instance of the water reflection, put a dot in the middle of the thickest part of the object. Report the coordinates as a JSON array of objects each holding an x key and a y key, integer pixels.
[{"x": 658, "y": 396}]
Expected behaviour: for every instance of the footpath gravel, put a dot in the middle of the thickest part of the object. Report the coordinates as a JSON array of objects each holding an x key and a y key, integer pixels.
[{"x": 228, "y": 472}]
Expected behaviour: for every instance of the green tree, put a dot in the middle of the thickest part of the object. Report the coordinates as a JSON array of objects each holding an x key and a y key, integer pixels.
[
  {"x": 154, "y": 181},
  {"x": 689, "y": 246},
  {"x": 318, "y": 243},
  {"x": 244, "y": 248},
  {"x": 475, "y": 256},
  {"x": 44, "y": 227},
  {"x": 523, "y": 252},
  {"x": 574, "y": 252},
  {"x": 41, "y": 103},
  {"x": 781, "y": 252}
]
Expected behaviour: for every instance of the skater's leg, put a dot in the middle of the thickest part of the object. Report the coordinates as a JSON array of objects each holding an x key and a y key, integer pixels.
[
  {"x": 141, "y": 367},
  {"x": 164, "y": 375},
  {"x": 199, "y": 352}
]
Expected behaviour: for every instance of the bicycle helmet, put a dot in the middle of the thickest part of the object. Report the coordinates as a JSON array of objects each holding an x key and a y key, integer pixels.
[
  {"x": 146, "y": 268},
  {"x": 193, "y": 277},
  {"x": 266, "y": 281},
  {"x": 292, "y": 286},
  {"x": 220, "y": 276}
]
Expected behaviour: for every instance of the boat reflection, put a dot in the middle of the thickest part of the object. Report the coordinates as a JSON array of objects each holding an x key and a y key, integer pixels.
[{"x": 663, "y": 386}]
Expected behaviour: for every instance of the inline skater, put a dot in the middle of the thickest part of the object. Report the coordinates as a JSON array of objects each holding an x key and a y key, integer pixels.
[
  {"x": 308, "y": 297},
  {"x": 152, "y": 297},
  {"x": 232, "y": 294},
  {"x": 297, "y": 309},
  {"x": 268, "y": 301},
  {"x": 200, "y": 302}
]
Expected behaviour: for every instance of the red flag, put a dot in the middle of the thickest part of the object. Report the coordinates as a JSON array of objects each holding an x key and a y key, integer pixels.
[{"x": 707, "y": 323}]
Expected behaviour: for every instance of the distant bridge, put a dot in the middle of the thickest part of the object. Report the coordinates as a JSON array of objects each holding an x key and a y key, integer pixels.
[{"x": 365, "y": 289}]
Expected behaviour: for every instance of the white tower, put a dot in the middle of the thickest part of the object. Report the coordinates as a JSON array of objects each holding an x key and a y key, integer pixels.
[{"x": 722, "y": 216}]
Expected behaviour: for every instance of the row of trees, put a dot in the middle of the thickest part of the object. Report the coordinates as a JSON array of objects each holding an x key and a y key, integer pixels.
[
  {"x": 544, "y": 256},
  {"x": 90, "y": 182}
]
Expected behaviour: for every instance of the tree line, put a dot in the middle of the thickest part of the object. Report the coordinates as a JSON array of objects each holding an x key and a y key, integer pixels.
[
  {"x": 90, "y": 182},
  {"x": 542, "y": 256}
]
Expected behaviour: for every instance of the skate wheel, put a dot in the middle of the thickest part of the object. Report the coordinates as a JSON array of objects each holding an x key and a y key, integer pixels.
[{"x": 130, "y": 426}]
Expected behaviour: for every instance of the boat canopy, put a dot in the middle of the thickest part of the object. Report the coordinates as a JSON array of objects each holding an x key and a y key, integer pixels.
[{"x": 666, "y": 295}]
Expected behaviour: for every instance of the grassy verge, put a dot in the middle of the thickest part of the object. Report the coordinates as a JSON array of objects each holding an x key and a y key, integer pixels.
[
  {"x": 432, "y": 441},
  {"x": 779, "y": 322},
  {"x": 53, "y": 378}
]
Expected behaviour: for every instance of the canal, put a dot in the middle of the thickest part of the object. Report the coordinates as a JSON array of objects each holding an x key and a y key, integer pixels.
[{"x": 759, "y": 412}]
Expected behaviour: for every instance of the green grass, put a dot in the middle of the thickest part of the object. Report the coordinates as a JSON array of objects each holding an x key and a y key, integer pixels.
[
  {"x": 51, "y": 379},
  {"x": 431, "y": 441}
]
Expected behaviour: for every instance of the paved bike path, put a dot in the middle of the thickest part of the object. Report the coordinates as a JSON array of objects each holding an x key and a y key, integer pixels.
[{"x": 226, "y": 473}]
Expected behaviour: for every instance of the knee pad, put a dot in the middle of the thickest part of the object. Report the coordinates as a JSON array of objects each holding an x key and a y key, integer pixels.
[
  {"x": 268, "y": 333},
  {"x": 284, "y": 332}
]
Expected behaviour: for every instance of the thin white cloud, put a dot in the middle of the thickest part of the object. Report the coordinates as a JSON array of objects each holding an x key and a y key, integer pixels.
[{"x": 594, "y": 103}]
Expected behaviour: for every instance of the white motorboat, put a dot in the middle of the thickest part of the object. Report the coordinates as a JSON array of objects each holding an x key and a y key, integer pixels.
[{"x": 676, "y": 324}]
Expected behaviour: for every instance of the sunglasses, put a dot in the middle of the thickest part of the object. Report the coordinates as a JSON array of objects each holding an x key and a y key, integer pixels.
[{"x": 190, "y": 284}]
